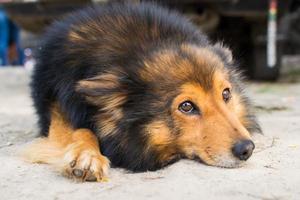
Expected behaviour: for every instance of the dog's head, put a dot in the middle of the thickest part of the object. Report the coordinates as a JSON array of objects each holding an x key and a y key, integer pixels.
[{"x": 186, "y": 102}]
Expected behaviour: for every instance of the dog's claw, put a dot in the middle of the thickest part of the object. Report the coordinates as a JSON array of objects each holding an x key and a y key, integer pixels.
[
  {"x": 73, "y": 163},
  {"x": 90, "y": 177}
]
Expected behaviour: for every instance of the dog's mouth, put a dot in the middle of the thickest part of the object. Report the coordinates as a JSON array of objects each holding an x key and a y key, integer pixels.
[
  {"x": 230, "y": 158},
  {"x": 228, "y": 162},
  {"x": 222, "y": 161}
]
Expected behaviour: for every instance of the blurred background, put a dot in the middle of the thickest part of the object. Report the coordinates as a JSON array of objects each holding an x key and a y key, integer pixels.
[{"x": 263, "y": 34}]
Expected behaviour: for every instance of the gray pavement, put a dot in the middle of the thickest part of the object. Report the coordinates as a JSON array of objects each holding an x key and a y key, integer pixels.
[{"x": 273, "y": 172}]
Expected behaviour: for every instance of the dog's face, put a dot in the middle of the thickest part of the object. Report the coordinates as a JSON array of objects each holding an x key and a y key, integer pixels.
[
  {"x": 183, "y": 103},
  {"x": 209, "y": 123}
]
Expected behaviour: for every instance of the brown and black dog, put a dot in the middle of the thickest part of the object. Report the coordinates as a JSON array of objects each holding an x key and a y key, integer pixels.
[{"x": 140, "y": 87}]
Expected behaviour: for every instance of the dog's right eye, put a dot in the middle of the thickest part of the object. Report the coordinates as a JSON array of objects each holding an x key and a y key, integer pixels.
[{"x": 188, "y": 107}]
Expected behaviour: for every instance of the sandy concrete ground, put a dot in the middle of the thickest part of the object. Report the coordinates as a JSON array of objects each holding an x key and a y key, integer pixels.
[{"x": 273, "y": 172}]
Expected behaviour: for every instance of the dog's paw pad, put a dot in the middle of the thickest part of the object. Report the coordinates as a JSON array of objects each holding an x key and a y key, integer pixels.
[{"x": 85, "y": 164}]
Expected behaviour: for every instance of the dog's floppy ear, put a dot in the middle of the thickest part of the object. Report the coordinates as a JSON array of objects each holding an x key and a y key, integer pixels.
[
  {"x": 223, "y": 51},
  {"x": 102, "y": 89},
  {"x": 98, "y": 85}
]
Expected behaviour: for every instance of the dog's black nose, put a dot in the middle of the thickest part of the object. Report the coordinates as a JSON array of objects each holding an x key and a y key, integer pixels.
[{"x": 243, "y": 149}]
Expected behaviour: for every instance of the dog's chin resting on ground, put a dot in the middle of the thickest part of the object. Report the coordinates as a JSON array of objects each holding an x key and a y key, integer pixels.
[{"x": 139, "y": 87}]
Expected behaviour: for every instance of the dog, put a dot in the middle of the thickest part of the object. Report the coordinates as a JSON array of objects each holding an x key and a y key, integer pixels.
[{"x": 139, "y": 87}]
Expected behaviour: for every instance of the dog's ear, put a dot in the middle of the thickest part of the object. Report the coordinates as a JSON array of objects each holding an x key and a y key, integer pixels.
[
  {"x": 98, "y": 85},
  {"x": 223, "y": 51},
  {"x": 102, "y": 89}
]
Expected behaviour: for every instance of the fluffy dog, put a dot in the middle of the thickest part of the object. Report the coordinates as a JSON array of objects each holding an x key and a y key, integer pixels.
[{"x": 140, "y": 87}]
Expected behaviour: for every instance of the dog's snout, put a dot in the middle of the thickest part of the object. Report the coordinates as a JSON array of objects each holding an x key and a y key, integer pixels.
[{"x": 243, "y": 149}]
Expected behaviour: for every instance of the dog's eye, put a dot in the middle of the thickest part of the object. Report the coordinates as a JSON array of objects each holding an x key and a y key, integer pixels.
[
  {"x": 187, "y": 107},
  {"x": 226, "y": 95}
]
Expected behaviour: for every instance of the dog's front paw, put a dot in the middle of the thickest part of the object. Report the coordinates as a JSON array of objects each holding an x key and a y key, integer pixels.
[{"x": 85, "y": 163}]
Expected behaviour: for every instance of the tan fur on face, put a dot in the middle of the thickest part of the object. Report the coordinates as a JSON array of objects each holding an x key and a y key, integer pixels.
[
  {"x": 163, "y": 63},
  {"x": 209, "y": 135},
  {"x": 202, "y": 77},
  {"x": 161, "y": 139},
  {"x": 160, "y": 134},
  {"x": 212, "y": 134},
  {"x": 203, "y": 56},
  {"x": 190, "y": 63}
]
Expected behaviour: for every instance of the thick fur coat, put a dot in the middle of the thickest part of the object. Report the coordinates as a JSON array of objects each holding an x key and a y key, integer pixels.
[{"x": 146, "y": 82}]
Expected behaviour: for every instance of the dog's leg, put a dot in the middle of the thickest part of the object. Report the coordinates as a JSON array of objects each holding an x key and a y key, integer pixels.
[
  {"x": 82, "y": 158},
  {"x": 76, "y": 153}
]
